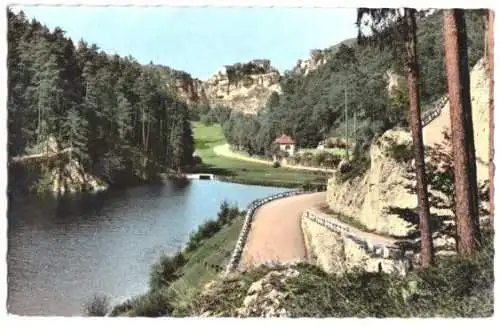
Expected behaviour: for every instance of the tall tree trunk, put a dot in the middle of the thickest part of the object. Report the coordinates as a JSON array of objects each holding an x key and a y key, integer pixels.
[
  {"x": 413, "y": 75},
  {"x": 462, "y": 134},
  {"x": 491, "y": 69}
]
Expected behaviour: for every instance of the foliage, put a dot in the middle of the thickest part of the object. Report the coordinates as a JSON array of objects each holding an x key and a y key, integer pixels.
[
  {"x": 151, "y": 305},
  {"x": 165, "y": 270},
  {"x": 97, "y": 306},
  {"x": 209, "y": 228},
  {"x": 117, "y": 115},
  {"x": 402, "y": 153},
  {"x": 216, "y": 115}
]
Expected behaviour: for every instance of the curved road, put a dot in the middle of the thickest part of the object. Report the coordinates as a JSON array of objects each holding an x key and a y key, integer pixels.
[{"x": 276, "y": 233}]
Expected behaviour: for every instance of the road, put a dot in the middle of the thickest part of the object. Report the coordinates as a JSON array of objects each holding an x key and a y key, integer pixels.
[{"x": 276, "y": 233}]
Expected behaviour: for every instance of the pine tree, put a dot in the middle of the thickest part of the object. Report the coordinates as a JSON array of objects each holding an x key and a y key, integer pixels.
[
  {"x": 462, "y": 134},
  {"x": 406, "y": 21}
]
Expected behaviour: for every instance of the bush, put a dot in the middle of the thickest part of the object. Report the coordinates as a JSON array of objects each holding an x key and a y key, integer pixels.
[
  {"x": 276, "y": 164},
  {"x": 355, "y": 170},
  {"x": 204, "y": 231},
  {"x": 402, "y": 153},
  {"x": 151, "y": 305},
  {"x": 123, "y": 308},
  {"x": 165, "y": 270},
  {"x": 197, "y": 160},
  {"x": 227, "y": 213},
  {"x": 99, "y": 305}
]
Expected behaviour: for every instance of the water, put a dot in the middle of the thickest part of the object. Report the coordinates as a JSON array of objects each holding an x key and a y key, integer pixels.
[{"x": 61, "y": 252}]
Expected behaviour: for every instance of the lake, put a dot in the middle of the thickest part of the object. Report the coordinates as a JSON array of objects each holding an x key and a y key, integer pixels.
[{"x": 63, "y": 251}]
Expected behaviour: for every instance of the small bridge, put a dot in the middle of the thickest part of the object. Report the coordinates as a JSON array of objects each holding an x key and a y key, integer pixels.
[{"x": 201, "y": 176}]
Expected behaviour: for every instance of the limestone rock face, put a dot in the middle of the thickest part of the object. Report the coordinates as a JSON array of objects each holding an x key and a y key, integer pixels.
[
  {"x": 393, "y": 80},
  {"x": 71, "y": 178},
  {"x": 188, "y": 90},
  {"x": 244, "y": 87},
  {"x": 316, "y": 59},
  {"x": 382, "y": 198}
]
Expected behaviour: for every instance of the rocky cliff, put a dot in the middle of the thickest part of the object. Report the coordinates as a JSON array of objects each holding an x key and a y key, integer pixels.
[
  {"x": 316, "y": 58},
  {"x": 244, "y": 87},
  {"x": 383, "y": 198},
  {"x": 52, "y": 169}
]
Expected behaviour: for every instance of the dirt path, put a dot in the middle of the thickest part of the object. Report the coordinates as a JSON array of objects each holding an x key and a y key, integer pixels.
[
  {"x": 276, "y": 233},
  {"x": 223, "y": 150}
]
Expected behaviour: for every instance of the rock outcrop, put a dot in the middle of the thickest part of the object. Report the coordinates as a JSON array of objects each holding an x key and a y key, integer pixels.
[
  {"x": 384, "y": 198},
  {"x": 49, "y": 168},
  {"x": 263, "y": 297},
  {"x": 189, "y": 90},
  {"x": 243, "y": 87},
  {"x": 316, "y": 58}
]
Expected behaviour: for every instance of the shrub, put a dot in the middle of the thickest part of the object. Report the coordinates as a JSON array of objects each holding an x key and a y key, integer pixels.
[
  {"x": 123, "y": 308},
  {"x": 151, "y": 305},
  {"x": 402, "y": 153},
  {"x": 227, "y": 213},
  {"x": 99, "y": 305},
  {"x": 165, "y": 270},
  {"x": 204, "y": 231},
  {"x": 355, "y": 169},
  {"x": 276, "y": 164},
  {"x": 197, "y": 160}
]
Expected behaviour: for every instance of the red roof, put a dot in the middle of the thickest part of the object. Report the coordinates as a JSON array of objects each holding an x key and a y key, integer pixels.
[{"x": 284, "y": 139}]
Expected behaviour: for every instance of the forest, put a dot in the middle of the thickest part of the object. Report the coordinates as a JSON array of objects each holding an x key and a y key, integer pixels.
[
  {"x": 312, "y": 107},
  {"x": 116, "y": 115}
]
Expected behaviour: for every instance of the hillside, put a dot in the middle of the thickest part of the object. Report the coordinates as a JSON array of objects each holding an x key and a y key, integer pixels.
[{"x": 383, "y": 198}]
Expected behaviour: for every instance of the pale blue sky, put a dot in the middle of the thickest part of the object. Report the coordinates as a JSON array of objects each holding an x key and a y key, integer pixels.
[{"x": 201, "y": 40}]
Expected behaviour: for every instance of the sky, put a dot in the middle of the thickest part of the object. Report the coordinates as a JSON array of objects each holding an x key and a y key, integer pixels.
[{"x": 201, "y": 40}]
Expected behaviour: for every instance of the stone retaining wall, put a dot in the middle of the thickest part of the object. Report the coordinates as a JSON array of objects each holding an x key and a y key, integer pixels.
[
  {"x": 252, "y": 207},
  {"x": 376, "y": 249}
]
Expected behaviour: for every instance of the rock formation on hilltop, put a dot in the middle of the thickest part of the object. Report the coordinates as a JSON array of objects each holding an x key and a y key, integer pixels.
[
  {"x": 318, "y": 57},
  {"x": 244, "y": 87}
]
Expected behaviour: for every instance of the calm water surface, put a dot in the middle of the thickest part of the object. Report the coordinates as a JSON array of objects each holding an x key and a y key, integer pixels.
[{"x": 61, "y": 252}]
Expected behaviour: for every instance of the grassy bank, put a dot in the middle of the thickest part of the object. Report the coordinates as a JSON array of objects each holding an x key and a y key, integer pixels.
[
  {"x": 453, "y": 288},
  {"x": 207, "y": 137}
]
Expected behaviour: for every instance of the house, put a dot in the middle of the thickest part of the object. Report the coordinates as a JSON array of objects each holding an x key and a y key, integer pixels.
[{"x": 286, "y": 143}]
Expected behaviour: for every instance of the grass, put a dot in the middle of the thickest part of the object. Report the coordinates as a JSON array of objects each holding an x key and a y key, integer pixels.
[
  {"x": 204, "y": 264},
  {"x": 207, "y": 137},
  {"x": 454, "y": 287}
]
